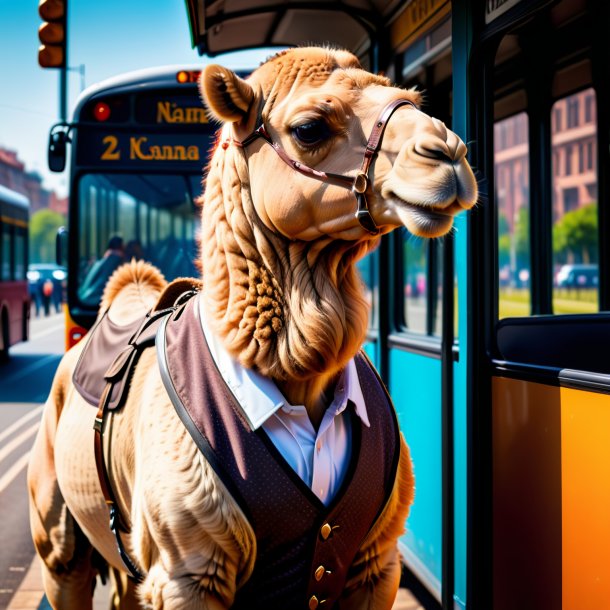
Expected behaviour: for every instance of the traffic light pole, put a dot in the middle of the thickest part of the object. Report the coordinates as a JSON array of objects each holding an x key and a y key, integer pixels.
[
  {"x": 63, "y": 72},
  {"x": 63, "y": 94},
  {"x": 53, "y": 53}
]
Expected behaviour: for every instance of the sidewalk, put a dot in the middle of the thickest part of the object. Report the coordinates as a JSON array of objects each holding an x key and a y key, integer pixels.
[{"x": 30, "y": 594}]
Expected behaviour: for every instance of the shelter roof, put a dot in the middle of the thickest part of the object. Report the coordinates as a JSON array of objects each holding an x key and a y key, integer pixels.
[{"x": 219, "y": 26}]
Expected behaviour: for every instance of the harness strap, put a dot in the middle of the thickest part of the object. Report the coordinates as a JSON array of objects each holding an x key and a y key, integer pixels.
[
  {"x": 336, "y": 179},
  {"x": 122, "y": 367},
  {"x": 362, "y": 180},
  {"x": 116, "y": 521},
  {"x": 359, "y": 183}
]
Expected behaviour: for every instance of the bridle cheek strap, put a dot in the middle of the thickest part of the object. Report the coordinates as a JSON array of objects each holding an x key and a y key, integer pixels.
[{"x": 358, "y": 184}]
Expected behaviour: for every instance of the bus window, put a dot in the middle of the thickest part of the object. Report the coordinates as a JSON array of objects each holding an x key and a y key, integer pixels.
[
  {"x": 20, "y": 254},
  {"x": 436, "y": 303},
  {"x": 127, "y": 209},
  {"x": 144, "y": 227},
  {"x": 420, "y": 307},
  {"x": 6, "y": 253},
  {"x": 575, "y": 215},
  {"x": 511, "y": 162},
  {"x": 165, "y": 225},
  {"x": 368, "y": 272},
  {"x": 149, "y": 217},
  {"x": 414, "y": 280}
]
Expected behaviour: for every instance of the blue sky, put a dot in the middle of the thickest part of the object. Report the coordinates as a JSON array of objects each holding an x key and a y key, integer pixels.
[{"x": 109, "y": 38}]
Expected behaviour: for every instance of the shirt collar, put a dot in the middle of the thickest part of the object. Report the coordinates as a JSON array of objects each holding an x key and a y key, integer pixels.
[{"x": 259, "y": 397}]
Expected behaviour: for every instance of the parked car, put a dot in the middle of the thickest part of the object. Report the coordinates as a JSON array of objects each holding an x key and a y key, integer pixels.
[
  {"x": 47, "y": 284},
  {"x": 578, "y": 276}
]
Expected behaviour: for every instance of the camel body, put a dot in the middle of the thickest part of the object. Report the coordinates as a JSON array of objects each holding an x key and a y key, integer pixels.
[{"x": 280, "y": 289}]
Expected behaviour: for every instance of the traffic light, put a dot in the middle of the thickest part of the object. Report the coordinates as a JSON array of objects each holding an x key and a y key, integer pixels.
[{"x": 53, "y": 33}]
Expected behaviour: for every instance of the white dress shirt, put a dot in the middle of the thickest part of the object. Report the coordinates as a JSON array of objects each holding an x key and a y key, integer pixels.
[{"x": 320, "y": 458}]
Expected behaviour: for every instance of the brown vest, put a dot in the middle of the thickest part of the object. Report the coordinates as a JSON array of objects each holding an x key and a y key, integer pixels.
[{"x": 304, "y": 548}]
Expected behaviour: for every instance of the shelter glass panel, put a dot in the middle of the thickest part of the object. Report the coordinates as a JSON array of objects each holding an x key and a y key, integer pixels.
[
  {"x": 512, "y": 196},
  {"x": 575, "y": 211}
]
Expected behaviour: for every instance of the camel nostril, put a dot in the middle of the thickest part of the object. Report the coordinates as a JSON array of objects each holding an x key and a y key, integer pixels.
[{"x": 433, "y": 149}]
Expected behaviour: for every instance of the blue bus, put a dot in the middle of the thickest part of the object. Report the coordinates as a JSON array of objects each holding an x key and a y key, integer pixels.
[{"x": 499, "y": 373}]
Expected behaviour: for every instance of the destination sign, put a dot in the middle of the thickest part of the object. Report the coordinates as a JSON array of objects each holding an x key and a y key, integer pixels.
[
  {"x": 165, "y": 107},
  {"x": 127, "y": 149},
  {"x": 170, "y": 108}
]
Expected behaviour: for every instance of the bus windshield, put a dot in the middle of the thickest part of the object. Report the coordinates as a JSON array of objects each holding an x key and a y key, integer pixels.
[
  {"x": 139, "y": 144},
  {"x": 134, "y": 216}
]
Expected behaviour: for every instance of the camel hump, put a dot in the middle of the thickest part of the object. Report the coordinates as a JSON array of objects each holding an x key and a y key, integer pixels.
[{"x": 133, "y": 286}]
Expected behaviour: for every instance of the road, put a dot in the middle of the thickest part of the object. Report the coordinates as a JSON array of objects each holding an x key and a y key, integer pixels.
[{"x": 24, "y": 384}]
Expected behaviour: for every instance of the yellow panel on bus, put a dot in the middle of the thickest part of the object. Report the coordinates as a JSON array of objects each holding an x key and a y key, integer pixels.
[
  {"x": 551, "y": 497},
  {"x": 585, "y": 456}
]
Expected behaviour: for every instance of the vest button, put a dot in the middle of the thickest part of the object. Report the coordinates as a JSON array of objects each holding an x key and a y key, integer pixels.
[
  {"x": 319, "y": 572},
  {"x": 313, "y": 602},
  {"x": 325, "y": 531}
]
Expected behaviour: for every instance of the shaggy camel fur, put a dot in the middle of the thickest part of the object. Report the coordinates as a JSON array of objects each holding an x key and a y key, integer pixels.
[{"x": 281, "y": 291}]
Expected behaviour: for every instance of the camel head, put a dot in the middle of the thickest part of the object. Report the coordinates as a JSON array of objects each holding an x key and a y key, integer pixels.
[
  {"x": 319, "y": 107},
  {"x": 280, "y": 229}
]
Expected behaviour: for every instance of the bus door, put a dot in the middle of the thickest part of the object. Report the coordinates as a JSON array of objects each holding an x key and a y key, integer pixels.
[{"x": 541, "y": 371}]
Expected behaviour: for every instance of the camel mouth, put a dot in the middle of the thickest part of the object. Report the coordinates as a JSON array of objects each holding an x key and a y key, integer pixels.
[{"x": 426, "y": 220}]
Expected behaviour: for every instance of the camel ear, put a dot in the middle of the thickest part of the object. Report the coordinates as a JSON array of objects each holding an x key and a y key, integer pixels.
[{"x": 226, "y": 96}]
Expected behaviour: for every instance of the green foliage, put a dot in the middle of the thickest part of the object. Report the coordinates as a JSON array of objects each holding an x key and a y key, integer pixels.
[
  {"x": 503, "y": 241},
  {"x": 522, "y": 237},
  {"x": 43, "y": 229},
  {"x": 575, "y": 236},
  {"x": 502, "y": 224}
]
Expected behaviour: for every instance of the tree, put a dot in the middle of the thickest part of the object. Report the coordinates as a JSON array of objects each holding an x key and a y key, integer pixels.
[
  {"x": 522, "y": 237},
  {"x": 504, "y": 241},
  {"x": 575, "y": 236},
  {"x": 43, "y": 229}
]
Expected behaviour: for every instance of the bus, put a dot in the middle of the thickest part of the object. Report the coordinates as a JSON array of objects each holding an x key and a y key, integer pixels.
[
  {"x": 498, "y": 367},
  {"x": 14, "y": 295},
  {"x": 139, "y": 143}
]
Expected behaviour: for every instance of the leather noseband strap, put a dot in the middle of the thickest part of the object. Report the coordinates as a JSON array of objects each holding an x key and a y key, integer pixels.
[{"x": 358, "y": 184}]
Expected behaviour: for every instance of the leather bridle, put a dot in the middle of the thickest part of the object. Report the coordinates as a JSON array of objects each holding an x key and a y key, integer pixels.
[{"x": 359, "y": 183}]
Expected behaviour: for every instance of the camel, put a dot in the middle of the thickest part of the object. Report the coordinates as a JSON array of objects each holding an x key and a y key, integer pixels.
[{"x": 280, "y": 293}]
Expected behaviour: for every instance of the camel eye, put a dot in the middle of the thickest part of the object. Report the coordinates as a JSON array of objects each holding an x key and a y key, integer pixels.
[{"x": 311, "y": 133}]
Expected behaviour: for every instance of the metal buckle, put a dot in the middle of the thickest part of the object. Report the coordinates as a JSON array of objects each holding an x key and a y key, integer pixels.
[
  {"x": 98, "y": 424},
  {"x": 361, "y": 183},
  {"x": 366, "y": 222}
]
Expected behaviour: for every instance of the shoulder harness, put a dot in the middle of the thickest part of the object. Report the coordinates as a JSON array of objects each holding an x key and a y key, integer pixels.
[{"x": 102, "y": 378}]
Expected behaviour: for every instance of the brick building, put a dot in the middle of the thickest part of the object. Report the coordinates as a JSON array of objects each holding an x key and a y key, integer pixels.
[
  {"x": 14, "y": 176},
  {"x": 574, "y": 172},
  {"x": 574, "y": 126}
]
